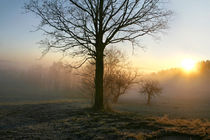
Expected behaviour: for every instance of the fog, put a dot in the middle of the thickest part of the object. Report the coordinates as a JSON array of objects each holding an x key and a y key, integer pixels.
[
  {"x": 36, "y": 83},
  {"x": 39, "y": 83},
  {"x": 177, "y": 86},
  {"x": 180, "y": 85}
]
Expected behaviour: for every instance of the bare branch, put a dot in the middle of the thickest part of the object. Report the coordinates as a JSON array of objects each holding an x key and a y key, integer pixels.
[{"x": 76, "y": 67}]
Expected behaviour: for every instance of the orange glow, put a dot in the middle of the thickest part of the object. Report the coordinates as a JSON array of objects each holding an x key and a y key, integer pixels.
[{"x": 188, "y": 65}]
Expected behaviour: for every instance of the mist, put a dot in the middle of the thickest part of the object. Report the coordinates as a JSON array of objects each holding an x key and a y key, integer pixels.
[
  {"x": 36, "y": 83},
  {"x": 56, "y": 81},
  {"x": 181, "y": 92},
  {"x": 83, "y": 69}
]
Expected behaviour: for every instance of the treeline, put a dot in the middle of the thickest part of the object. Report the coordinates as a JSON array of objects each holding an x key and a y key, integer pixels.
[
  {"x": 61, "y": 79},
  {"x": 57, "y": 77},
  {"x": 120, "y": 76},
  {"x": 38, "y": 81},
  {"x": 180, "y": 85}
]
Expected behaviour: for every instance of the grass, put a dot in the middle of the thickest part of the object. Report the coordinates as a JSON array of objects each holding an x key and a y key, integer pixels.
[
  {"x": 72, "y": 119},
  {"x": 182, "y": 109}
]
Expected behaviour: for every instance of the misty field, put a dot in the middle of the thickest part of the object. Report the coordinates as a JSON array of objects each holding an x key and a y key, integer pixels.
[
  {"x": 186, "y": 109},
  {"x": 72, "y": 119},
  {"x": 50, "y": 103}
]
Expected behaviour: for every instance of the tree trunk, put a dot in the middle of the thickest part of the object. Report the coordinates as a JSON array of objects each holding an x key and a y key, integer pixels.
[{"x": 98, "y": 104}]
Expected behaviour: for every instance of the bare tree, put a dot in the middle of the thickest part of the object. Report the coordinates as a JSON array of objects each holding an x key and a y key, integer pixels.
[
  {"x": 119, "y": 76},
  {"x": 150, "y": 88},
  {"x": 86, "y": 27}
]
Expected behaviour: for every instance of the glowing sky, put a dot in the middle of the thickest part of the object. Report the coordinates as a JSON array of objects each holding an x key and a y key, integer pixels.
[{"x": 187, "y": 37}]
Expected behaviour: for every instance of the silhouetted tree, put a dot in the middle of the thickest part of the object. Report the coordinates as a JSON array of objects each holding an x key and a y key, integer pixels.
[
  {"x": 86, "y": 27},
  {"x": 150, "y": 88},
  {"x": 119, "y": 76}
]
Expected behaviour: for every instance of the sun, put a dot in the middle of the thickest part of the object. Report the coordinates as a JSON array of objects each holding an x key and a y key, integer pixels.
[{"x": 188, "y": 64}]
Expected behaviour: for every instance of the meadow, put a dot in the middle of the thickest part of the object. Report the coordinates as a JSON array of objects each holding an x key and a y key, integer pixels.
[
  {"x": 40, "y": 107},
  {"x": 73, "y": 119}
]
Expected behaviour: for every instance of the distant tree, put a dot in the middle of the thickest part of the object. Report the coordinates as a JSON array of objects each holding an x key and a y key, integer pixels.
[
  {"x": 119, "y": 76},
  {"x": 59, "y": 76},
  {"x": 150, "y": 88},
  {"x": 36, "y": 75},
  {"x": 87, "y": 84},
  {"x": 56, "y": 77},
  {"x": 204, "y": 67},
  {"x": 86, "y": 27}
]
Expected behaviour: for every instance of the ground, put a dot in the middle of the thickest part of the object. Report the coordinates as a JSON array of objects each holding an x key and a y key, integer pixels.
[{"x": 73, "y": 120}]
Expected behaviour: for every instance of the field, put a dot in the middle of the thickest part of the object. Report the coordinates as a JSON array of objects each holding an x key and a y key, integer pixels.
[
  {"x": 72, "y": 119},
  {"x": 185, "y": 109}
]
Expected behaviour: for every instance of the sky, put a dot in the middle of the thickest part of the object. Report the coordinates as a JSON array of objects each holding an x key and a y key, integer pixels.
[{"x": 187, "y": 37}]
